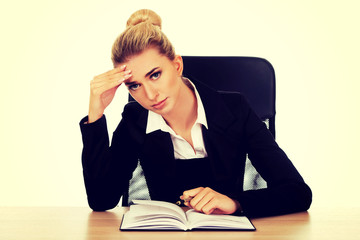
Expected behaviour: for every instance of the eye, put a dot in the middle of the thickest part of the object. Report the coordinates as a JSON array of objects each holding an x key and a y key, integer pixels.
[
  {"x": 155, "y": 75},
  {"x": 133, "y": 87}
]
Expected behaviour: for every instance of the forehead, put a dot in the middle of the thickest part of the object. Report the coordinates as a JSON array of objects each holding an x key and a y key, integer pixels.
[{"x": 148, "y": 59}]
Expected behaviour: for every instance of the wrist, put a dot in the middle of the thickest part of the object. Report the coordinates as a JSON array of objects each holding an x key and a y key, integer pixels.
[{"x": 92, "y": 117}]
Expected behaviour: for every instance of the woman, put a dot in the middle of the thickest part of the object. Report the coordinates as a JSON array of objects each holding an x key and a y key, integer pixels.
[{"x": 190, "y": 140}]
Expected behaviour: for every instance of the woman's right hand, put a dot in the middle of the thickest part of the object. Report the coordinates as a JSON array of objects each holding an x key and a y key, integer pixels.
[{"x": 102, "y": 90}]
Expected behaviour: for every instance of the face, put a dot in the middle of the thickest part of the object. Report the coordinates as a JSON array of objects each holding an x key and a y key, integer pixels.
[{"x": 156, "y": 81}]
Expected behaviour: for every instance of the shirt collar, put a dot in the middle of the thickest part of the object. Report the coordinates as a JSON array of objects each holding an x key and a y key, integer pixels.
[{"x": 156, "y": 122}]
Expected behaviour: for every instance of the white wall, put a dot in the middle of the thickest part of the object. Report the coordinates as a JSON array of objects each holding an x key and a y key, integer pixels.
[{"x": 50, "y": 50}]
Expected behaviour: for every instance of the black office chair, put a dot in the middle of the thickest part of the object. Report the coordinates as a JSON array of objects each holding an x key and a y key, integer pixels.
[{"x": 254, "y": 77}]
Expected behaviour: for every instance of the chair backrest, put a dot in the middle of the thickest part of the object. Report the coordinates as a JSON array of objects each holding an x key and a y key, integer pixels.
[{"x": 254, "y": 77}]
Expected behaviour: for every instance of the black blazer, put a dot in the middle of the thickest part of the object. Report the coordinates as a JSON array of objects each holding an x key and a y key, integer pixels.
[{"x": 234, "y": 130}]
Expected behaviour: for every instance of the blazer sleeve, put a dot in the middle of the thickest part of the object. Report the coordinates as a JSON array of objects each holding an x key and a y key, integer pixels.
[
  {"x": 106, "y": 169},
  {"x": 286, "y": 190}
]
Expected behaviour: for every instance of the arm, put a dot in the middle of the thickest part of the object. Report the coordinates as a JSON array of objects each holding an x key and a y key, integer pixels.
[
  {"x": 286, "y": 192},
  {"x": 106, "y": 169}
]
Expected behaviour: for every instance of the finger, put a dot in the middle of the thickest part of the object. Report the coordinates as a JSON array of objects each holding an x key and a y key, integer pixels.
[
  {"x": 112, "y": 71},
  {"x": 212, "y": 206},
  {"x": 120, "y": 77},
  {"x": 98, "y": 88},
  {"x": 101, "y": 84},
  {"x": 121, "y": 67},
  {"x": 202, "y": 204},
  {"x": 117, "y": 69},
  {"x": 202, "y": 198},
  {"x": 115, "y": 76},
  {"x": 221, "y": 204},
  {"x": 191, "y": 193}
]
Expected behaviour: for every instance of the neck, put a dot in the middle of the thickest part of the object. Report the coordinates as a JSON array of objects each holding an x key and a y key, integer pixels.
[{"x": 185, "y": 112}]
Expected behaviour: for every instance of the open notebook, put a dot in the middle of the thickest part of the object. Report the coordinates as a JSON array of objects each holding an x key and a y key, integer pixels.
[{"x": 158, "y": 215}]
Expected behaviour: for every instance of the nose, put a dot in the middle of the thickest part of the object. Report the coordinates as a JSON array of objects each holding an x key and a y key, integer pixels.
[{"x": 151, "y": 92}]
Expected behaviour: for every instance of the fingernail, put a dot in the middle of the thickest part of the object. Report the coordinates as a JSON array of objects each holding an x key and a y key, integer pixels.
[
  {"x": 188, "y": 199},
  {"x": 127, "y": 71}
]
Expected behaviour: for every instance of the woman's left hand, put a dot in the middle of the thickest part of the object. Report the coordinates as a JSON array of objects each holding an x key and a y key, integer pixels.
[{"x": 208, "y": 201}]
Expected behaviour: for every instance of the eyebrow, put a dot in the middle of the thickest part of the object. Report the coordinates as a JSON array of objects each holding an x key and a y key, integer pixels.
[
  {"x": 146, "y": 75},
  {"x": 130, "y": 83},
  {"x": 151, "y": 71}
]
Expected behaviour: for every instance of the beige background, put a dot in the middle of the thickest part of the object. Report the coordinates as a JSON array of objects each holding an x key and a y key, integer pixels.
[{"x": 50, "y": 50}]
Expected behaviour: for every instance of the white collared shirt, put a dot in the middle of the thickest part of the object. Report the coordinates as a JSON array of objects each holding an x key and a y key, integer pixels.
[{"x": 183, "y": 149}]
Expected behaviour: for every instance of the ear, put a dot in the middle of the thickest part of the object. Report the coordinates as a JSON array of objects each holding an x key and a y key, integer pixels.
[{"x": 179, "y": 65}]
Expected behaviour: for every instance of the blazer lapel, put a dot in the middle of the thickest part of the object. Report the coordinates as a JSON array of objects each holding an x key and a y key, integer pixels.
[
  {"x": 223, "y": 149},
  {"x": 217, "y": 113}
]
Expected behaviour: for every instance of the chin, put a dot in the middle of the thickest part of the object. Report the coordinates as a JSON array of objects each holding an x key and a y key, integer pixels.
[{"x": 164, "y": 111}]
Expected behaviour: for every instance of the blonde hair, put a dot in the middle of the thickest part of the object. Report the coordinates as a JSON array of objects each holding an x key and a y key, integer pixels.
[{"x": 143, "y": 30}]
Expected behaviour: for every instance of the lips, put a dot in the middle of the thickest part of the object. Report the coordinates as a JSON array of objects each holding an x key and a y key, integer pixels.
[{"x": 160, "y": 104}]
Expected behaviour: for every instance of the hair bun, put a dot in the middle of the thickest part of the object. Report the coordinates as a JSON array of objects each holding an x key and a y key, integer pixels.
[{"x": 144, "y": 15}]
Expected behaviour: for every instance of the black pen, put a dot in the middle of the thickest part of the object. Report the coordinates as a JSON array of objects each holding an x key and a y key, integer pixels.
[{"x": 181, "y": 202}]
